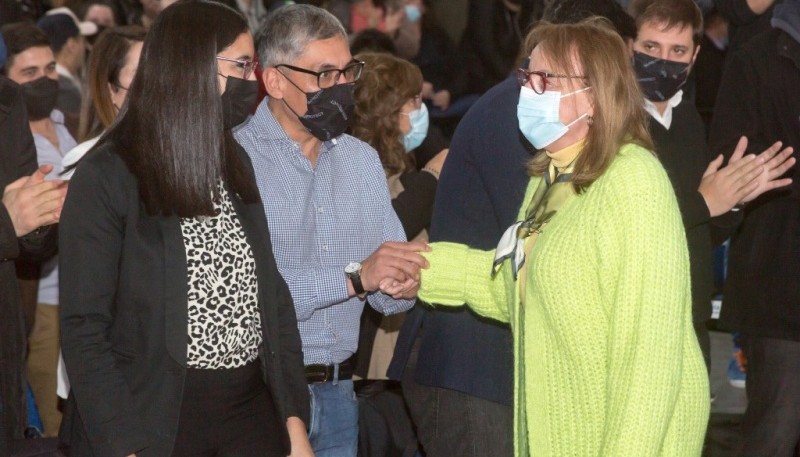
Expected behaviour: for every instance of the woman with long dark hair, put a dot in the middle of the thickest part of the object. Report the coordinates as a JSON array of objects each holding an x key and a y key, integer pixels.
[{"x": 178, "y": 333}]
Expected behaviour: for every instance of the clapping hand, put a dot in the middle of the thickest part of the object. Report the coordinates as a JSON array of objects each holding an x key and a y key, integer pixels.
[{"x": 776, "y": 162}]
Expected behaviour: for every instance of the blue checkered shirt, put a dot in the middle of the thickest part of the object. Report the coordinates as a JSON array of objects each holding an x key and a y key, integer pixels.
[{"x": 320, "y": 219}]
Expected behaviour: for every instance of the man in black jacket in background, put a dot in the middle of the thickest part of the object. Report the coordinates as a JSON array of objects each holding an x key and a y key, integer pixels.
[
  {"x": 665, "y": 49},
  {"x": 759, "y": 98},
  {"x": 28, "y": 205}
]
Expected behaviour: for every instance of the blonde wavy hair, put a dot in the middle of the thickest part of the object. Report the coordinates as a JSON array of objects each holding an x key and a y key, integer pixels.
[
  {"x": 594, "y": 49},
  {"x": 385, "y": 86}
]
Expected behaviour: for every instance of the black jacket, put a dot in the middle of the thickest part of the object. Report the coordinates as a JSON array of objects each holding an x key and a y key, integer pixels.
[
  {"x": 17, "y": 159},
  {"x": 759, "y": 98},
  {"x": 491, "y": 42},
  {"x": 124, "y": 318}
]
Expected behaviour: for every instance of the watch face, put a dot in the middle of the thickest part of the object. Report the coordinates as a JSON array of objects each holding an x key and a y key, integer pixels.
[{"x": 352, "y": 267}]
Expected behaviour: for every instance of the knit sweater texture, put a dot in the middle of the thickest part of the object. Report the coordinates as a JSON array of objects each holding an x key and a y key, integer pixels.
[{"x": 606, "y": 360}]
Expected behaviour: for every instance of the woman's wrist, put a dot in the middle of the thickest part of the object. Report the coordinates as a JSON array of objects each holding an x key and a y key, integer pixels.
[{"x": 435, "y": 173}]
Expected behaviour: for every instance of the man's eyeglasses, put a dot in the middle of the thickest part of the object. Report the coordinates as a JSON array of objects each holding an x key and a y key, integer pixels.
[
  {"x": 538, "y": 80},
  {"x": 329, "y": 77},
  {"x": 247, "y": 66}
]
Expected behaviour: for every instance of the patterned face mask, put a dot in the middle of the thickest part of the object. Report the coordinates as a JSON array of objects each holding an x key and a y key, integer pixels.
[
  {"x": 329, "y": 110},
  {"x": 659, "y": 79}
]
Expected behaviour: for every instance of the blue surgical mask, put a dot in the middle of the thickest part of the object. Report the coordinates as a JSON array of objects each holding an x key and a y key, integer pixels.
[
  {"x": 419, "y": 128},
  {"x": 413, "y": 13},
  {"x": 538, "y": 118}
]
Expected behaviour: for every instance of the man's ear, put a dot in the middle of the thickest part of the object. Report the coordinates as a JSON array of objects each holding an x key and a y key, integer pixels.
[{"x": 274, "y": 82}]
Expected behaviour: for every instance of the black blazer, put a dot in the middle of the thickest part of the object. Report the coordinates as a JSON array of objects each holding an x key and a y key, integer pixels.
[
  {"x": 124, "y": 318},
  {"x": 17, "y": 159}
]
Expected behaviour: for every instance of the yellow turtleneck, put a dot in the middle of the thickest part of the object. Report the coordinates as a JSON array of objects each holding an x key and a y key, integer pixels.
[{"x": 564, "y": 159}]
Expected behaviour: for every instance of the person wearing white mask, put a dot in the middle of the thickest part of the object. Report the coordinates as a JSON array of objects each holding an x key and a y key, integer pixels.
[
  {"x": 594, "y": 277},
  {"x": 390, "y": 116}
]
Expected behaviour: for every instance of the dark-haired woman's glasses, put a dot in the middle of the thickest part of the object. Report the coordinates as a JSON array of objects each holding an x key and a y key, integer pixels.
[
  {"x": 330, "y": 76},
  {"x": 247, "y": 66},
  {"x": 538, "y": 80}
]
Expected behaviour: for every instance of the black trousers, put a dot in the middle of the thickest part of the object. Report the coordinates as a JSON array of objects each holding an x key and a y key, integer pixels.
[
  {"x": 228, "y": 413},
  {"x": 771, "y": 424}
]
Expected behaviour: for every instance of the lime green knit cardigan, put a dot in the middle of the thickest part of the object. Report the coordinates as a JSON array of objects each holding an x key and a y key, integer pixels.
[{"x": 606, "y": 360}]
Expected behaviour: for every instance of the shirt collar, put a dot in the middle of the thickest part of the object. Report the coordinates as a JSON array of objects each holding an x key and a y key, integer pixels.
[
  {"x": 666, "y": 118},
  {"x": 57, "y": 116}
]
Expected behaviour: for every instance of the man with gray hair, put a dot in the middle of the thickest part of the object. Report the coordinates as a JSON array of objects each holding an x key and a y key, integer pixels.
[{"x": 335, "y": 236}]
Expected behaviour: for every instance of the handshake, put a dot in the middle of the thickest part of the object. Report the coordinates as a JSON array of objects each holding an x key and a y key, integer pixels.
[{"x": 394, "y": 269}]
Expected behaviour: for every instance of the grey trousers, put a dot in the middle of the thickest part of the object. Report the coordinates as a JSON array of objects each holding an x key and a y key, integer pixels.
[
  {"x": 771, "y": 424},
  {"x": 451, "y": 423}
]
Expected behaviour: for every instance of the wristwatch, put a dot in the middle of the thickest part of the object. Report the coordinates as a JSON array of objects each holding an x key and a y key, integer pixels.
[{"x": 353, "y": 271}]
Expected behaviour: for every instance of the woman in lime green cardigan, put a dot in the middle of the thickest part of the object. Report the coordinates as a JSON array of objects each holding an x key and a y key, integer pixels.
[{"x": 594, "y": 279}]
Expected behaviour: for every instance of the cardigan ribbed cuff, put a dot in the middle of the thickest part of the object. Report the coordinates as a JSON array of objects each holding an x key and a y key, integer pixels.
[
  {"x": 457, "y": 275},
  {"x": 443, "y": 282}
]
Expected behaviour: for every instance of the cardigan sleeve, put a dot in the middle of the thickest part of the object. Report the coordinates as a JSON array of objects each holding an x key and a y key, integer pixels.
[
  {"x": 91, "y": 237},
  {"x": 648, "y": 304},
  {"x": 459, "y": 275}
]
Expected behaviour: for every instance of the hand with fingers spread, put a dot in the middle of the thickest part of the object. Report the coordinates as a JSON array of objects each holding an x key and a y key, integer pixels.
[
  {"x": 723, "y": 188},
  {"x": 32, "y": 202},
  {"x": 394, "y": 264},
  {"x": 776, "y": 163}
]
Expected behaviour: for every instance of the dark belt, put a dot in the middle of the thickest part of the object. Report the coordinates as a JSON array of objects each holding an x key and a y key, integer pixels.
[{"x": 324, "y": 373}]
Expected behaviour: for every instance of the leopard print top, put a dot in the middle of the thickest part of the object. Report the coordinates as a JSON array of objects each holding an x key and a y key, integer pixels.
[{"x": 224, "y": 320}]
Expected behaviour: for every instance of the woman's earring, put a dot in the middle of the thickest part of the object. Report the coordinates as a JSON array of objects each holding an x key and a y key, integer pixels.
[{"x": 589, "y": 121}]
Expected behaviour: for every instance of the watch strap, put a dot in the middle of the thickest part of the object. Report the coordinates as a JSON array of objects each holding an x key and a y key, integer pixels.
[{"x": 358, "y": 287}]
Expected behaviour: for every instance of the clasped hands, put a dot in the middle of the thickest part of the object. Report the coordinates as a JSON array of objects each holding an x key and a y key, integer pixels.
[
  {"x": 32, "y": 202},
  {"x": 394, "y": 268}
]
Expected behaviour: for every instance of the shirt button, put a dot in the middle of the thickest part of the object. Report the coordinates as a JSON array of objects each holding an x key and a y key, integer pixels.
[
  {"x": 325, "y": 247},
  {"x": 320, "y": 210}
]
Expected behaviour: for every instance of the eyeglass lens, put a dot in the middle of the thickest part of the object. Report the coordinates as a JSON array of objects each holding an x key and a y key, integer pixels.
[
  {"x": 535, "y": 79},
  {"x": 247, "y": 66},
  {"x": 329, "y": 78}
]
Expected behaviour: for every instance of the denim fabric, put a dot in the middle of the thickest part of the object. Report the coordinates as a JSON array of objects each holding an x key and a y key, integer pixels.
[{"x": 333, "y": 430}]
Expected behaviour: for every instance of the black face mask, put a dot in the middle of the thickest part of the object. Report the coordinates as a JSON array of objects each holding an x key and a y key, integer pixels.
[
  {"x": 238, "y": 100},
  {"x": 40, "y": 96},
  {"x": 659, "y": 79},
  {"x": 329, "y": 110}
]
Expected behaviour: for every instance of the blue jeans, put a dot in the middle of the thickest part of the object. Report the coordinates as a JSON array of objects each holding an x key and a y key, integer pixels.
[{"x": 333, "y": 431}]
